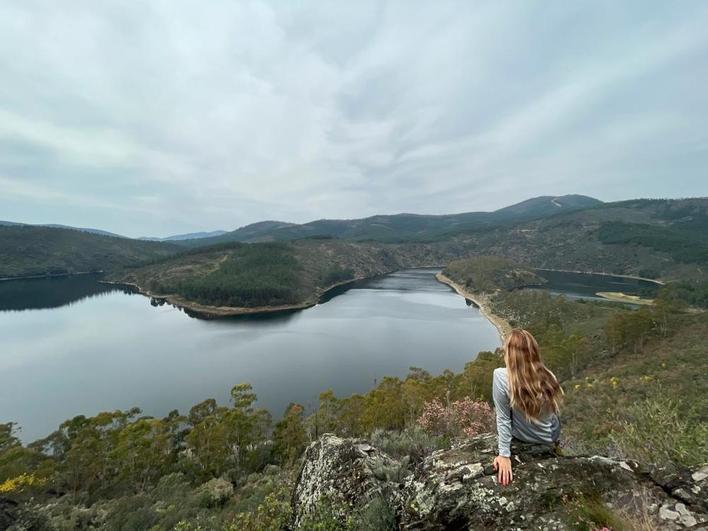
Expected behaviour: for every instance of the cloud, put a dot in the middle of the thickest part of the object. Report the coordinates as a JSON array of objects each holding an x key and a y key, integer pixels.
[{"x": 171, "y": 116}]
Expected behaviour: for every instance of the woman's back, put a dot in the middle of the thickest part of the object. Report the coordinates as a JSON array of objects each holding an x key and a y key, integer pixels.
[
  {"x": 514, "y": 423},
  {"x": 526, "y": 397}
]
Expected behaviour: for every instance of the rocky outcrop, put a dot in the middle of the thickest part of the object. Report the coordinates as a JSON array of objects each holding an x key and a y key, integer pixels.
[
  {"x": 457, "y": 488},
  {"x": 347, "y": 474}
]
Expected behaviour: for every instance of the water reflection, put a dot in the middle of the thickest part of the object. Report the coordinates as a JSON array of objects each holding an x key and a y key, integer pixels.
[
  {"x": 586, "y": 285},
  {"x": 43, "y": 293},
  {"x": 114, "y": 351}
]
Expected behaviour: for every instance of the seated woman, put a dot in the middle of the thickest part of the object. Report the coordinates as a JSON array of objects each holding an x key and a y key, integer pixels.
[{"x": 526, "y": 398}]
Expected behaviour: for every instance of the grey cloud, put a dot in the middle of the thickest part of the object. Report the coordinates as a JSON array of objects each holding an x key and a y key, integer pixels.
[{"x": 171, "y": 116}]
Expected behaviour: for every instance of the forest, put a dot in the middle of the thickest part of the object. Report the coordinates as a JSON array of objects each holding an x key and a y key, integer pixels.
[
  {"x": 685, "y": 243},
  {"x": 256, "y": 275}
]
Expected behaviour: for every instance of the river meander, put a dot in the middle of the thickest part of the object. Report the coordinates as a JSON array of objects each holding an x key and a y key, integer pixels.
[{"x": 75, "y": 346}]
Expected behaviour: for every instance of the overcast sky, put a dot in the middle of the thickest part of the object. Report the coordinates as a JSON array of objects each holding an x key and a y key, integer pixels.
[{"x": 161, "y": 117}]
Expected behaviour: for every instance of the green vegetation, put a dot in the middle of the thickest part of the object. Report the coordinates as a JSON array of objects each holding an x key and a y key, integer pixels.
[
  {"x": 37, "y": 251},
  {"x": 634, "y": 378},
  {"x": 269, "y": 274},
  {"x": 693, "y": 293},
  {"x": 400, "y": 228},
  {"x": 683, "y": 243},
  {"x": 253, "y": 275},
  {"x": 485, "y": 274},
  {"x": 216, "y": 467},
  {"x": 651, "y": 394}
]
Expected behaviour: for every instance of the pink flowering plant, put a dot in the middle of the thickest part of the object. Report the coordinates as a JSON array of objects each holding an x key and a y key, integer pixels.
[{"x": 464, "y": 417}]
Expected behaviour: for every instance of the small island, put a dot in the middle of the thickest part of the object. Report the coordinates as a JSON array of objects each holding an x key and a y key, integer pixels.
[{"x": 618, "y": 296}]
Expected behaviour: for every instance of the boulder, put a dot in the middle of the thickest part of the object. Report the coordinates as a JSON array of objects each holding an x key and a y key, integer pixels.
[
  {"x": 347, "y": 474},
  {"x": 456, "y": 488}
]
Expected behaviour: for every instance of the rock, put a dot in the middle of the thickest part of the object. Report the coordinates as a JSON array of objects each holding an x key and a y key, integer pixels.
[
  {"x": 346, "y": 473},
  {"x": 667, "y": 514},
  {"x": 457, "y": 489},
  {"x": 689, "y": 488},
  {"x": 688, "y": 520},
  {"x": 700, "y": 474}
]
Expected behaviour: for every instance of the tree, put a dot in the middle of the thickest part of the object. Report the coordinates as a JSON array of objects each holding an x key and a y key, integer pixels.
[
  {"x": 142, "y": 453},
  {"x": 290, "y": 436}
]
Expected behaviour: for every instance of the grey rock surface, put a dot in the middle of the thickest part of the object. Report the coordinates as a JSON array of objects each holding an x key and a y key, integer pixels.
[{"x": 457, "y": 488}]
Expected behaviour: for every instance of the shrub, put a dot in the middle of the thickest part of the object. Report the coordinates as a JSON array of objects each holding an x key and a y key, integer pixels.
[
  {"x": 464, "y": 417},
  {"x": 273, "y": 514},
  {"x": 654, "y": 431},
  {"x": 414, "y": 443}
]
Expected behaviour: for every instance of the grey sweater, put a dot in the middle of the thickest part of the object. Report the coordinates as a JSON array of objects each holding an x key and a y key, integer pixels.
[{"x": 513, "y": 423}]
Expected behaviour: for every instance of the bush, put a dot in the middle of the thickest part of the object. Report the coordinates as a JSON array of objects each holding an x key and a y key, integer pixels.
[
  {"x": 413, "y": 442},
  {"x": 654, "y": 431},
  {"x": 464, "y": 417}
]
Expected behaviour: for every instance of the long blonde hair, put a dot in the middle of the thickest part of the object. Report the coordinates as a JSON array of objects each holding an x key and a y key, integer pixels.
[{"x": 533, "y": 389}]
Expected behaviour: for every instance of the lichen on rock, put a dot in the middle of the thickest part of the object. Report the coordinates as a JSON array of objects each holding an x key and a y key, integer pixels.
[{"x": 456, "y": 488}]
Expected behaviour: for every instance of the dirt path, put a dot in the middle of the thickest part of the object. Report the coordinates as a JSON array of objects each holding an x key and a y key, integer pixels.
[{"x": 482, "y": 301}]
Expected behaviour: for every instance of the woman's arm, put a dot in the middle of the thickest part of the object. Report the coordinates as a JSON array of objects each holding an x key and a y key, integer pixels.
[
  {"x": 500, "y": 394},
  {"x": 503, "y": 409}
]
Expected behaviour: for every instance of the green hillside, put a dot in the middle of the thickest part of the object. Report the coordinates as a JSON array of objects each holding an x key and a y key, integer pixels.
[
  {"x": 405, "y": 227},
  {"x": 650, "y": 238},
  {"x": 272, "y": 274},
  {"x": 33, "y": 250}
]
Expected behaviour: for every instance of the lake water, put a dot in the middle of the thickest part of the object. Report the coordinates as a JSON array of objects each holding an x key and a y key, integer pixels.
[
  {"x": 586, "y": 285},
  {"x": 74, "y": 346}
]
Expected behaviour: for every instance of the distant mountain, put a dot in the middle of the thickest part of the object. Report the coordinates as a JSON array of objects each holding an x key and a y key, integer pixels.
[
  {"x": 57, "y": 226},
  {"x": 189, "y": 236},
  {"x": 86, "y": 229},
  {"x": 33, "y": 250},
  {"x": 649, "y": 237},
  {"x": 546, "y": 205},
  {"x": 405, "y": 227}
]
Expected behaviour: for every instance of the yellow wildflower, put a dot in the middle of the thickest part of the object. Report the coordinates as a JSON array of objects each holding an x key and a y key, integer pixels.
[{"x": 23, "y": 480}]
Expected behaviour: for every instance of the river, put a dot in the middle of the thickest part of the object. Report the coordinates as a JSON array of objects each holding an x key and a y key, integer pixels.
[{"x": 74, "y": 346}]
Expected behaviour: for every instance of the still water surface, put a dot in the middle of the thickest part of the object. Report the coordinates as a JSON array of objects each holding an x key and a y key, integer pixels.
[
  {"x": 72, "y": 346},
  {"x": 587, "y": 285}
]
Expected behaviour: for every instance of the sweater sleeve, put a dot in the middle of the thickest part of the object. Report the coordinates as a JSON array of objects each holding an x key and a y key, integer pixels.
[{"x": 503, "y": 409}]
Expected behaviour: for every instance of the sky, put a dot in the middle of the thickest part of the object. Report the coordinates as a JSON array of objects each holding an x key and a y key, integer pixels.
[{"x": 151, "y": 118}]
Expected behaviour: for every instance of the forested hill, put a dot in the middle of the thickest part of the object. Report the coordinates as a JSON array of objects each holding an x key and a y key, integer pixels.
[
  {"x": 657, "y": 239},
  {"x": 651, "y": 238},
  {"x": 27, "y": 250},
  {"x": 228, "y": 278},
  {"x": 405, "y": 227},
  {"x": 665, "y": 239}
]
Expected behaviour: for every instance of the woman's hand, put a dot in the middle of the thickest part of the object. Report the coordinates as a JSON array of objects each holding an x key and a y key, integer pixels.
[{"x": 502, "y": 465}]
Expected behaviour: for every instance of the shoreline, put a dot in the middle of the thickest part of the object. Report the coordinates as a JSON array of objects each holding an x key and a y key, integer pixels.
[
  {"x": 633, "y": 277},
  {"x": 502, "y": 325},
  {"x": 205, "y": 311}
]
